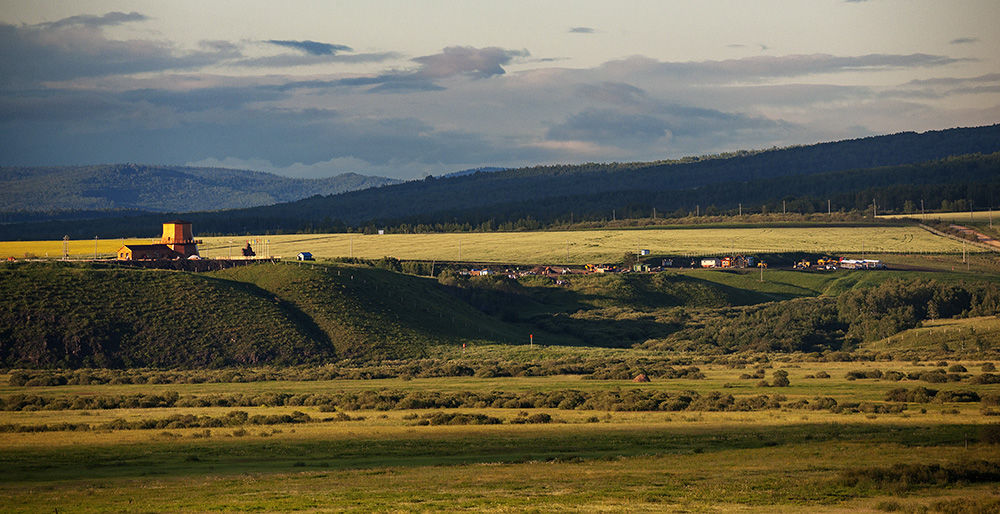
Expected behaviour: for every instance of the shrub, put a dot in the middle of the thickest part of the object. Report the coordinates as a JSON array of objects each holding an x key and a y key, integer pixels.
[{"x": 988, "y": 367}]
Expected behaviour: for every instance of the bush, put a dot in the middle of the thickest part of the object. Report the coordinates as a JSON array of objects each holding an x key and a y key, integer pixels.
[{"x": 988, "y": 367}]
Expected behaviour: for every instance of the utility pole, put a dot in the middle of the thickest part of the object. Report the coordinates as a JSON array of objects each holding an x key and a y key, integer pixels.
[
  {"x": 614, "y": 215},
  {"x": 828, "y": 211},
  {"x": 782, "y": 207},
  {"x": 741, "y": 210},
  {"x": 66, "y": 247},
  {"x": 95, "y": 247},
  {"x": 923, "y": 216}
]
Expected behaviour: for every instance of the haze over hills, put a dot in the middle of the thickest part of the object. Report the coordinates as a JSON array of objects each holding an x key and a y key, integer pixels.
[
  {"x": 160, "y": 188},
  {"x": 937, "y": 166}
]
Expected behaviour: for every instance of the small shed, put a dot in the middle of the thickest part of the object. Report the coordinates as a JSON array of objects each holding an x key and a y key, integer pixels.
[
  {"x": 711, "y": 263},
  {"x": 305, "y": 256}
]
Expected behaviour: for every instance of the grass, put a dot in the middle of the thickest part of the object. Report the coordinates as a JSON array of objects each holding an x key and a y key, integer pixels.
[
  {"x": 784, "y": 459},
  {"x": 76, "y": 248},
  {"x": 955, "y": 217},
  {"x": 595, "y": 246},
  {"x": 946, "y": 337}
]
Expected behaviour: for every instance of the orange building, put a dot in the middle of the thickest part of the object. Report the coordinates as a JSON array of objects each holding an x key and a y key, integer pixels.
[
  {"x": 178, "y": 236},
  {"x": 178, "y": 242}
]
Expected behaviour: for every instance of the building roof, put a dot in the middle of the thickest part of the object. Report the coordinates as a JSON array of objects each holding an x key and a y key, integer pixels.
[{"x": 147, "y": 247}]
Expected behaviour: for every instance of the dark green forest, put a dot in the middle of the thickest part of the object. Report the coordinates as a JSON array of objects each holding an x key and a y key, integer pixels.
[{"x": 950, "y": 169}]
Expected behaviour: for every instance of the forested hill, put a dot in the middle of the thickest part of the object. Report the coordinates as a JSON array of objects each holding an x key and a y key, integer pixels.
[
  {"x": 908, "y": 167},
  {"x": 160, "y": 188},
  {"x": 422, "y": 199}
]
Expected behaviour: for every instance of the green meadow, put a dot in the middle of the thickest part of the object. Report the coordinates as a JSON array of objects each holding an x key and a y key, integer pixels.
[{"x": 778, "y": 457}]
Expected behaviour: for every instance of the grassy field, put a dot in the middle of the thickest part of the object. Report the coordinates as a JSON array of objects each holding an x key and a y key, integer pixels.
[
  {"x": 573, "y": 247},
  {"x": 76, "y": 248},
  {"x": 775, "y": 459},
  {"x": 955, "y": 217},
  {"x": 580, "y": 247}
]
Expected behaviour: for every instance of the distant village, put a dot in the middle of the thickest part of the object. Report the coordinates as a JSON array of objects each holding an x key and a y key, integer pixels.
[{"x": 178, "y": 243}]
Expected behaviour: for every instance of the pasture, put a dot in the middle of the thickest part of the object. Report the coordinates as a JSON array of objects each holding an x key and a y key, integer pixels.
[
  {"x": 362, "y": 458},
  {"x": 76, "y": 248},
  {"x": 594, "y": 246},
  {"x": 564, "y": 247},
  {"x": 952, "y": 217}
]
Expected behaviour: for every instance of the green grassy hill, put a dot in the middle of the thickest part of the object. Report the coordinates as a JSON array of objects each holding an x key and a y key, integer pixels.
[
  {"x": 63, "y": 315},
  {"x": 57, "y": 315}
]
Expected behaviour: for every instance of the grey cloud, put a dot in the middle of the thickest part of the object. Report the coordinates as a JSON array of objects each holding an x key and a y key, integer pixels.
[
  {"x": 289, "y": 60},
  {"x": 761, "y": 67},
  {"x": 581, "y": 30},
  {"x": 466, "y": 60},
  {"x": 608, "y": 126},
  {"x": 311, "y": 47},
  {"x": 479, "y": 63},
  {"x": 31, "y": 54},
  {"x": 613, "y": 93},
  {"x": 89, "y": 20},
  {"x": 964, "y": 40}
]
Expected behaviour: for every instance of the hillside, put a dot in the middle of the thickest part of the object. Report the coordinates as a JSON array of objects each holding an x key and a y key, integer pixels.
[
  {"x": 160, "y": 188},
  {"x": 948, "y": 165},
  {"x": 59, "y": 315}
]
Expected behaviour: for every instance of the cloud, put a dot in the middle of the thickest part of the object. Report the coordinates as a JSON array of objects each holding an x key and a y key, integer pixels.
[
  {"x": 605, "y": 125},
  {"x": 964, "y": 41},
  {"x": 581, "y": 30},
  {"x": 77, "y": 47},
  {"x": 768, "y": 67},
  {"x": 291, "y": 60},
  {"x": 454, "y": 61},
  {"x": 466, "y": 60},
  {"x": 89, "y": 20},
  {"x": 311, "y": 47}
]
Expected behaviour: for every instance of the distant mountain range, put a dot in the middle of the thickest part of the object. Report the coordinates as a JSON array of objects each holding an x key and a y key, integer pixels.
[
  {"x": 936, "y": 168},
  {"x": 160, "y": 188}
]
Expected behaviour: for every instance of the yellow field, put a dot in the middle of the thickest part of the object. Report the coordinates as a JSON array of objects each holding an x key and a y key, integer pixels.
[
  {"x": 77, "y": 248},
  {"x": 571, "y": 247},
  {"x": 957, "y": 217},
  {"x": 578, "y": 247}
]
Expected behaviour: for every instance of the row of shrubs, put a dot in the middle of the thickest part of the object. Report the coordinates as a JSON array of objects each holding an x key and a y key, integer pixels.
[
  {"x": 832, "y": 405},
  {"x": 620, "y": 369},
  {"x": 937, "y": 376},
  {"x": 232, "y": 419},
  {"x": 902, "y": 477},
  {"x": 925, "y": 395},
  {"x": 617, "y": 400}
]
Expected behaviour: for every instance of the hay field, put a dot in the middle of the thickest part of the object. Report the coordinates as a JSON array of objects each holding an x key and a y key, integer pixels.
[
  {"x": 78, "y": 248},
  {"x": 954, "y": 217},
  {"x": 580, "y": 247}
]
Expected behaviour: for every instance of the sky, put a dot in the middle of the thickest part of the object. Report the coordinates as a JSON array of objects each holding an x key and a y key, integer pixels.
[{"x": 412, "y": 88}]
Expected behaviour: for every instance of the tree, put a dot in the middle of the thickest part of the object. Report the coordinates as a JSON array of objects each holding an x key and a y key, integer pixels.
[
  {"x": 629, "y": 260},
  {"x": 780, "y": 378}
]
